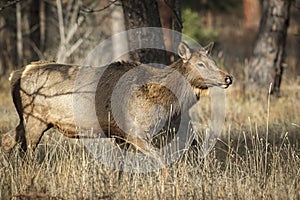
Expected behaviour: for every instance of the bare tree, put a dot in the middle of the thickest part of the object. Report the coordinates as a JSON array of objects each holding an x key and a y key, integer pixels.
[
  {"x": 67, "y": 45},
  {"x": 69, "y": 27},
  {"x": 267, "y": 62},
  {"x": 19, "y": 34},
  {"x": 62, "y": 30},
  {"x": 7, "y": 59},
  {"x": 8, "y": 53}
]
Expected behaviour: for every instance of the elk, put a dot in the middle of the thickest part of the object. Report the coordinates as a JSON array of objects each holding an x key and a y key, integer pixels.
[{"x": 136, "y": 96}]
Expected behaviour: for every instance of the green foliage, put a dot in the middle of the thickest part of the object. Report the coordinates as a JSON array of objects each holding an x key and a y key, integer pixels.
[{"x": 193, "y": 28}]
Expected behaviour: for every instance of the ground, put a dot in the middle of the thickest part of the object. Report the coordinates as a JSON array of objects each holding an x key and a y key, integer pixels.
[{"x": 257, "y": 156}]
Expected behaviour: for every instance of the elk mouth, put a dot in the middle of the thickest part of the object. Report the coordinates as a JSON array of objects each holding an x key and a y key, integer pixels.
[
  {"x": 224, "y": 86},
  {"x": 203, "y": 90}
]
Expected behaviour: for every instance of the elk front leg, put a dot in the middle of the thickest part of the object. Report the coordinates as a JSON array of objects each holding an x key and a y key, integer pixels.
[{"x": 146, "y": 148}]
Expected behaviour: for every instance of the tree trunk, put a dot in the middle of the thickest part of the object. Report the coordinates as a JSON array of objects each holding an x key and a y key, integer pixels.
[
  {"x": 7, "y": 45},
  {"x": 119, "y": 44},
  {"x": 177, "y": 25},
  {"x": 19, "y": 34},
  {"x": 8, "y": 38},
  {"x": 139, "y": 14},
  {"x": 266, "y": 63},
  {"x": 42, "y": 21},
  {"x": 35, "y": 40}
]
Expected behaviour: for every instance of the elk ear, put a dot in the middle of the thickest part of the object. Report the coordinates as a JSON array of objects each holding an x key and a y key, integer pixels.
[
  {"x": 209, "y": 48},
  {"x": 184, "y": 51}
]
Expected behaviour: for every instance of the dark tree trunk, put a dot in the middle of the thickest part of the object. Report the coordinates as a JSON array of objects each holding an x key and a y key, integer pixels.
[
  {"x": 8, "y": 50},
  {"x": 177, "y": 25},
  {"x": 34, "y": 28},
  {"x": 266, "y": 63},
  {"x": 19, "y": 34},
  {"x": 139, "y": 14}
]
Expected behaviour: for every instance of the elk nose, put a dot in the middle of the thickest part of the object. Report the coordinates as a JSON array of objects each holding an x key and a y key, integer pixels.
[{"x": 228, "y": 80}]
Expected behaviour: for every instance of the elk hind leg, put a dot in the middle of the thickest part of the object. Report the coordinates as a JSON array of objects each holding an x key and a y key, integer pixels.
[
  {"x": 35, "y": 129},
  {"x": 13, "y": 137},
  {"x": 9, "y": 141}
]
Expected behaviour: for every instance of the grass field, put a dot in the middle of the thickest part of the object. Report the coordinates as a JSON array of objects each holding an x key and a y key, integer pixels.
[{"x": 256, "y": 157}]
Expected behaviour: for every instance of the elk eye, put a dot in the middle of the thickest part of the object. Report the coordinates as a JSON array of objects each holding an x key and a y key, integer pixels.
[{"x": 201, "y": 64}]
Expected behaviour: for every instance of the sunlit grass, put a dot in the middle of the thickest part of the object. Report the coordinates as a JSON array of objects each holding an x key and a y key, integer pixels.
[{"x": 249, "y": 161}]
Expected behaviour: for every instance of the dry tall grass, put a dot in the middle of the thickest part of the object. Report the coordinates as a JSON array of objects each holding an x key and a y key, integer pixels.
[{"x": 256, "y": 157}]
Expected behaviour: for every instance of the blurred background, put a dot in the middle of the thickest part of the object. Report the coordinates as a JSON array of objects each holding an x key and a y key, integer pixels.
[
  {"x": 257, "y": 41},
  {"x": 66, "y": 30}
]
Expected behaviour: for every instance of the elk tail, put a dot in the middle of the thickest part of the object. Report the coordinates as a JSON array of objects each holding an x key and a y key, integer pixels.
[{"x": 15, "y": 84}]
